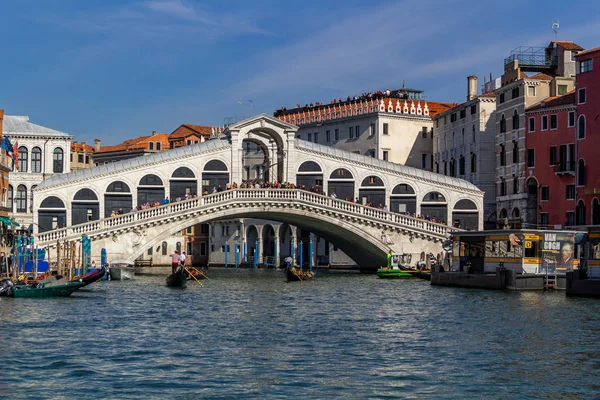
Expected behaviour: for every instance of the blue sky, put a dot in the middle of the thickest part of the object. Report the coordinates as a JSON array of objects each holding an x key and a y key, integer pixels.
[{"x": 119, "y": 69}]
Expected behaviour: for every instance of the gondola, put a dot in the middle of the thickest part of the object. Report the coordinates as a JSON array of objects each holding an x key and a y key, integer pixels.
[
  {"x": 91, "y": 277},
  {"x": 177, "y": 279},
  {"x": 38, "y": 290},
  {"x": 294, "y": 274}
]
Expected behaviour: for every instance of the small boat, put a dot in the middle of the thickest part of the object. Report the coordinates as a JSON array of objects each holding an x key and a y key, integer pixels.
[
  {"x": 39, "y": 290},
  {"x": 393, "y": 273},
  {"x": 91, "y": 277},
  {"x": 121, "y": 270},
  {"x": 397, "y": 267},
  {"x": 178, "y": 279},
  {"x": 295, "y": 274}
]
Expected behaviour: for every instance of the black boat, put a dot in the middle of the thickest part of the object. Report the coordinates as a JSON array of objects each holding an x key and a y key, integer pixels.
[
  {"x": 294, "y": 274},
  {"x": 178, "y": 279},
  {"x": 92, "y": 277}
]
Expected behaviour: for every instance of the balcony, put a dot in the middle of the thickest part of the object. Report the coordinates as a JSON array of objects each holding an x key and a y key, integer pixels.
[{"x": 566, "y": 168}]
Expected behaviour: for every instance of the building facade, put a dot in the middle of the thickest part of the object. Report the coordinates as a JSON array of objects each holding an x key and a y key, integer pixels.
[
  {"x": 550, "y": 161},
  {"x": 41, "y": 153},
  {"x": 464, "y": 144},
  {"x": 139, "y": 146},
  {"x": 82, "y": 156},
  {"x": 555, "y": 67},
  {"x": 588, "y": 129}
]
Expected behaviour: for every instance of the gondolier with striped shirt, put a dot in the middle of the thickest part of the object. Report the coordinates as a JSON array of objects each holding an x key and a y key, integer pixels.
[{"x": 174, "y": 261}]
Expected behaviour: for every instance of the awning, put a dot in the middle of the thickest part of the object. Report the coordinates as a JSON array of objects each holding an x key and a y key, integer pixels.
[{"x": 7, "y": 221}]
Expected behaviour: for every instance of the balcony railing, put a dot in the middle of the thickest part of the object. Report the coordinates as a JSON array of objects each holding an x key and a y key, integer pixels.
[{"x": 565, "y": 168}]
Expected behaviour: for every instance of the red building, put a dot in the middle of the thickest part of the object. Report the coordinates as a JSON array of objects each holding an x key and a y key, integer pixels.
[
  {"x": 550, "y": 160},
  {"x": 588, "y": 137}
]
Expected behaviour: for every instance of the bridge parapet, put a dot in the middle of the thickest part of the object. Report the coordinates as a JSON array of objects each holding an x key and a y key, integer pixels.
[{"x": 248, "y": 198}]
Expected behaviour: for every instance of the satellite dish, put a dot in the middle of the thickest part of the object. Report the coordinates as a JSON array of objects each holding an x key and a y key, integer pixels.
[{"x": 514, "y": 240}]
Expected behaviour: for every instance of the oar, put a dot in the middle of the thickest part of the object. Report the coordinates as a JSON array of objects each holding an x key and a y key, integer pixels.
[
  {"x": 202, "y": 273},
  {"x": 192, "y": 275}
]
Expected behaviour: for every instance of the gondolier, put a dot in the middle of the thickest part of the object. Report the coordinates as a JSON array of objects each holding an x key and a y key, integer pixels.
[
  {"x": 174, "y": 261},
  {"x": 182, "y": 258},
  {"x": 288, "y": 261}
]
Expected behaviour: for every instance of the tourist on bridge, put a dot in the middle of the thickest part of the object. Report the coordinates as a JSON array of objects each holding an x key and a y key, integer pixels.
[{"x": 174, "y": 261}]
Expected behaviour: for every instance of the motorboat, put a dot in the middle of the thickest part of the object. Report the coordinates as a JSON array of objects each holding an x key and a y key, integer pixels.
[{"x": 121, "y": 270}]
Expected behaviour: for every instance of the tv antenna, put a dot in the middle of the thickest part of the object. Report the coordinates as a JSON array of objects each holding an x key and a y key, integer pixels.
[{"x": 555, "y": 26}]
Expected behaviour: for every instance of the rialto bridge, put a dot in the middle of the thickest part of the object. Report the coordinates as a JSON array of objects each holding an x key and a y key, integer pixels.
[{"x": 70, "y": 205}]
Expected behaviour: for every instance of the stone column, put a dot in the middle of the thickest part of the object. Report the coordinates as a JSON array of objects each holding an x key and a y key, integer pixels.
[
  {"x": 236, "y": 157},
  {"x": 277, "y": 248},
  {"x": 273, "y": 161}
]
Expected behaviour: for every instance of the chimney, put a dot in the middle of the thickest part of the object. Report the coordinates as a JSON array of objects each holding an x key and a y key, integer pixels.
[
  {"x": 96, "y": 144},
  {"x": 471, "y": 87},
  {"x": 153, "y": 133}
]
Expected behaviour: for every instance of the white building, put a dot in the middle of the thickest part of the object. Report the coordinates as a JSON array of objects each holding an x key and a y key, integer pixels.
[
  {"x": 42, "y": 152},
  {"x": 464, "y": 143}
]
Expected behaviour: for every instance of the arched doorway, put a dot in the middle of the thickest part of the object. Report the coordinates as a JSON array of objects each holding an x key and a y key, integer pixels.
[
  {"x": 255, "y": 161},
  {"x": 580, "y": 213},
  {"x": 435, "y": 207},
  {"x": 214, "y": 174},
  {"x": 150, "y": 190},
  {"x": 341, "y": 182},
  {"x": 310, "y": 175},
  {"x": 52, "y": 214},
  {"x": 85, "y": 207},
  {"x": 403, "y": 199},
  {"x": 117, "y": 197},
  {"x": 465, "y": 215},
  {"x": 531, "y": 212},
  {"x": 372, "y": 191},
  {"x": 183, "y": 182}
]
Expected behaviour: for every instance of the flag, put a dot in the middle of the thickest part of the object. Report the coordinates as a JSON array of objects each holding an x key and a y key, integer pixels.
[
  {"x": 15, "y": 156},
  {"x": 7, "y": 145}
]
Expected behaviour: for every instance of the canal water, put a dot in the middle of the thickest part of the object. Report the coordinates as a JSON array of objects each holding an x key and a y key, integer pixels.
[{"x": 250, "y": 334}]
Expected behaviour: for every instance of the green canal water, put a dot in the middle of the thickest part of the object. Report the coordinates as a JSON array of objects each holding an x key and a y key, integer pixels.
[{"x": 249, "y": 334}]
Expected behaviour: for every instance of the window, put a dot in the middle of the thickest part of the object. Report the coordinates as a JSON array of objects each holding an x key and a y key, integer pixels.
[
  {"x": 502, "y": 124},
  {"x": 515, "y": 120},
  {"x": 515, "y": 184},
  {"x": 531, "y": 91},
  {"x": 90, "y": 214},
  {"x": 36, "y": 160},
  {"x": 222, "y": 230},
  {"x": 461, "y": 165},
  {"x": 385, "y": 155},
  {"x": 437, "y": 167},
  {"x": 453, "y": 117},
  {"x": 515, "y": 153},
  {"x": 351, "y": 132},
  {"x": 188, "y": 142},
  {"x": 501, "y": 98},
  {"x": 164, "y": 248},
  {"x": 316, "y": 137},
  {"x": 10, "y": 198},
  {"x": 21, "y": 198},
  {"x": 204, "y": 229},
  {"x": 532, "y": 124},
  {"x": 54, "y": 222},
  {"x": 531, "y": 158},
  {"x": 357, "y": 131},
  {"x": 57, "y": 158},
  {"x": 79, "y": 158},
  {"x": 202, "y": 248},
  {"x": 581, "y": 97},
  {"x": 502, "y": 155},
  {"x": 336, "y": 135},
  {"x": 544, "y": 220},
  {"x": 545, "y": 193},
  {"x": 554, "y": 121},
  {"x": 553, "y": 158},
  {"x": 544, "y": 122},
  {"x": 474, "y": 135},
  {"x": 372, "y": 131},
  {"x": 463, "y": 113},
  {"x": 562, "y": 89},
  {"x": 328, "y": 136},
  {"x": 581, "y": 173},
  {"x": 570, "y": 192},
  {"x": 150, "y": 251},
  {"x": 188, "y": 230},
  {"x": 385, "y": 129},
  {"x": 502, "y": 187},
  {"x": 310, "y": 137},
  {"x": 151, "y": 145},
  {"x": 473, "y": 109},
  {"x": 585, "y": 66},
  {"x": 580, "y": 128},
  {"x": 424, "y": 132},
  {"x": 473, "y": 162},
  {"x": 158, "y": 146},
  {"x": 445, "y": 119},
  {"x": 424, "y": 161},
  {"x": 23, "y": 159},
  {"x": 515, "y": 92},
  {"x": 571, "y": 118}
]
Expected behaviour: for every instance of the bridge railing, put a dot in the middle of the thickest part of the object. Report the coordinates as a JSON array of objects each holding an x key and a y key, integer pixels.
[{"x": 249, "y": 194}]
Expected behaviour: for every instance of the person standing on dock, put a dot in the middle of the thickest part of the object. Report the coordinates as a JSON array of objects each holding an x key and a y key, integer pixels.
[{"x": 174, "y": 261}]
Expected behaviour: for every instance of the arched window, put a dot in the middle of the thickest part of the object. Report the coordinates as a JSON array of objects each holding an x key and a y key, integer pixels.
[
  {"x": 158, "y": 146},
  {"x": 57, "y": 160},
  {"x": 150, "y": 145},
  {"x": 474, "y": 136},
  {"x": 502, "y": 155},
  {"x": 21, "y": 198},
  {"x": 515, "y": 152},
  {"x": 36, "y": 160},
  {"x": 164, "y": 248},
  {"x": 515, "y": 120},
  {"x": 581, "y": 127},
  {"x": 473, "y": 162},
  {"x": 595, "y": 212},
  {"x": 581, "y": 173},
  {"x": 23, "y": 161},
  {"x": 502, "y": 124},
  {"x": 10, "y": 198}
]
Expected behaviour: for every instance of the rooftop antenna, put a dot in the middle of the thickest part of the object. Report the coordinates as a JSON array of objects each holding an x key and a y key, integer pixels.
[{"x": 555, "y": 26}]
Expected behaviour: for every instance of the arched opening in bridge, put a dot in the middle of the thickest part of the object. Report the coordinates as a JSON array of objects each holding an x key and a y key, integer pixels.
[
  {"x": 52, "y": 214},
  {"x": 465, "y": 215},
  {"x": 435, "y": 207},
  {"x": 403, "y": 199},
  {"x": 310, "y": 175},
  {"x": 531, "y": 214},
  {"x": 214, "y": 174},
  {"x": 150, "y": 190},
  {"x": 263, "y": 154},
  {"x": 255, "y": 161},
  {"x": 268, "y": 241},
  {"x": 372, "y": 191},
  {"x": 85, "y": 207},
  {"x": 341, "y": 182},
  {"x": 183, "y": 183},
  {"x": 117, "y": 197},
  {"x": 285, "y": 240}
]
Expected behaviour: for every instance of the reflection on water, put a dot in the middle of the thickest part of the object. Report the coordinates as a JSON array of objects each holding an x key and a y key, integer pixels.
[{"x": 250, "y": 334}]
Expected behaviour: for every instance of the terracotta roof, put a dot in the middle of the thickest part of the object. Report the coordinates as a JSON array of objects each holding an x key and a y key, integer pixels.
[
  {"x": 585, "y": 53},
  {"x": 82, "y": 147},
  {"x": 555, "y": 101},
  {"x": 540, "y": 77},
  {"x": 139, "y": 143},
  {"x": 568, "y": 45},
  {"x": 186, "y": 130},
  {"x": 490, "y": 94}
]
